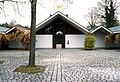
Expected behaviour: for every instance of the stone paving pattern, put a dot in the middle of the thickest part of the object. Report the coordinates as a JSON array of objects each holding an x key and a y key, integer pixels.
[{"x": 63, "y": 65}]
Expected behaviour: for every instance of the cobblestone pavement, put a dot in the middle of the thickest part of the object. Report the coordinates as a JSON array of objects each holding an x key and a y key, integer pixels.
[{"x": 63, "y": 65}]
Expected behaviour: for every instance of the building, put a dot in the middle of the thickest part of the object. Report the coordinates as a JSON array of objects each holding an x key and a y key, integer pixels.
[
  {"x": 61, "y": 31},
  {"x": 12, "y": 43},
  {"x": 100, "y": 33}
]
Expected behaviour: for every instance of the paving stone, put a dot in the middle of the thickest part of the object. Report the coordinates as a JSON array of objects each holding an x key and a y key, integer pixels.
[
  {"x": 64, "y": 65},
  {"x": 11, "y": 78},
  {"x": 14, "y": 80}
]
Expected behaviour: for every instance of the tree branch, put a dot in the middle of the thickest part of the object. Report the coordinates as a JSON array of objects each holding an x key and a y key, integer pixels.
[
  {"x": 13, "y": 1},
  {"x": 41, "y": 4},
  {"x": 18, "y": 10}
]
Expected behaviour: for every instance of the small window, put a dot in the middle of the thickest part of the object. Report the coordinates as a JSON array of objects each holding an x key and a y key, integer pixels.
[
  {"x": 48, "y": 30},
  {"x": 59, "y": 33}
]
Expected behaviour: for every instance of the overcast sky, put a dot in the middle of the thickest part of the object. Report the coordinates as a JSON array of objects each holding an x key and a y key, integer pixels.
[{"x": 76, "y": 11}]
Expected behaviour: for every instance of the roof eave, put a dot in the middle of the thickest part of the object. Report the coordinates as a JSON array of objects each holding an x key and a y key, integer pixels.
[
  {"x": 116, "y": 32},
  {"x": 100, "y": 28},
  {"x": 10, "y": 30},
  {"x": 65, "y": 18}
]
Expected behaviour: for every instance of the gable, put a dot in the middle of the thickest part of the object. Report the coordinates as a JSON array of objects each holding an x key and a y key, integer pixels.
[
  {"x": 64, "y": 18},
  {"x": 59, "y": 25},
  {"x": 102, "y": 30}
]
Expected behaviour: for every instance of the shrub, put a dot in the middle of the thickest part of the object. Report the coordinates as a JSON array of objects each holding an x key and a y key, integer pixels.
[
  {"x": 1, "y": 62},
  {"x": 108, "y": 40},
  {"x": 4, "y": 41},
  {"x": 117, "y": 40},
  {"x": 89, "y": 42}
]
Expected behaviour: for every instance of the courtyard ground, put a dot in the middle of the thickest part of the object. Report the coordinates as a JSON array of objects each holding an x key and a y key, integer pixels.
[{"x": 63, "y": 65}]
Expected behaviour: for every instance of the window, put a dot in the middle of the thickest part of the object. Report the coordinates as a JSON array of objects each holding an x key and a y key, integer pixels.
[{"x": 59, "y": 33}]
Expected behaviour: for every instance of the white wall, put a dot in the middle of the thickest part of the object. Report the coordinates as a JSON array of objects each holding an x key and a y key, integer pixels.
[
  {"x": 44, "y": 41},
  {"x": 99, "y": 41},
  {"x": 75, "y": 41}
]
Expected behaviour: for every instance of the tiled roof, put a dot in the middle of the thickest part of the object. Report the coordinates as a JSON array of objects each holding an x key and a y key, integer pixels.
[
  {"x": 3, "y": 29},
  {"x": 115, "y": 29},
  {"x": 19, "y": 27}
]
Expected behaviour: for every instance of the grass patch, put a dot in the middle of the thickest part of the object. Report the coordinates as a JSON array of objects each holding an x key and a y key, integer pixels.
[
  {"x": 1, "y": 62},
  {"x": 30, "y": 70}
]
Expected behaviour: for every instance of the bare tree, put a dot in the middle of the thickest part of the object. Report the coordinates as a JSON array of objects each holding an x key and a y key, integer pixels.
[
  {"x": 32, "y": 29},
  {"x": 33, "y": 25},
  {"x": 92, "y": 17},
  {"x": 32, "y": 33}
]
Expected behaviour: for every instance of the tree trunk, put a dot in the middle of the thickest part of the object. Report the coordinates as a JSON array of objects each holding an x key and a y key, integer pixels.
[{"x": 32, "y": 33}]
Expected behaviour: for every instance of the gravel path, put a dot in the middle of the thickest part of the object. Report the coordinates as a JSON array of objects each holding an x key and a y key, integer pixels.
[{"x": 63, "y": 65}]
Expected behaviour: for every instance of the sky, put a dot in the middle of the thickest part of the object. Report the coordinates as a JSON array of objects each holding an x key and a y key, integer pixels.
[{"x": 75, "y": 11}]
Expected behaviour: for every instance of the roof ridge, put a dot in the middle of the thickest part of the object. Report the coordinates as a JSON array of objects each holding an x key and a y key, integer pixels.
[
  {"x": 48, "y": 17},
  {"x": 94, "y": 30},
  {"x": 58, "y": 12},
  {"x": 64, "y": 17}
]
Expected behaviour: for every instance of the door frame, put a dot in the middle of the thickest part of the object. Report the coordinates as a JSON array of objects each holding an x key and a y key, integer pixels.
[{"x": 58, "y": 39}]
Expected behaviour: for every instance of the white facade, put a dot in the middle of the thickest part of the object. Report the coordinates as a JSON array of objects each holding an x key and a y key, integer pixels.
[
  {"x": 44, "y": 41},
  {"x": 74, "y": 41},
  {"x": 99, "y": 40}
]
